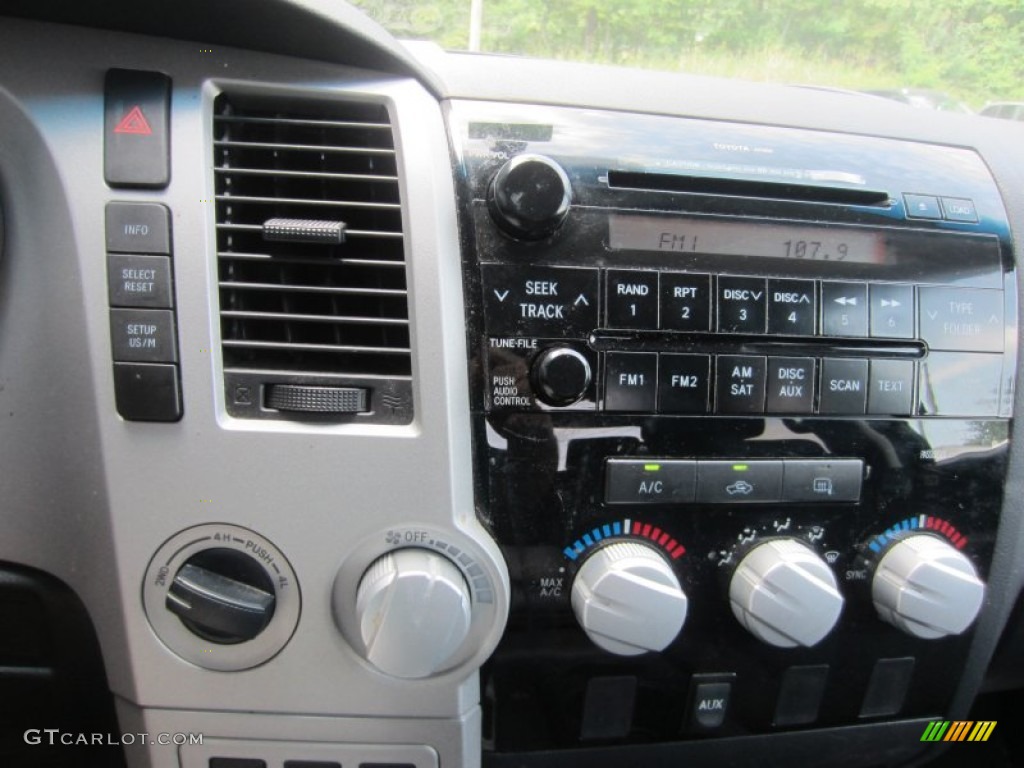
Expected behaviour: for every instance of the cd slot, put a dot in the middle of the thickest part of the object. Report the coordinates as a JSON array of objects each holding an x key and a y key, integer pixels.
[
  {"x": 716, "y": 343},
  {"x": 755, "y": 188}
]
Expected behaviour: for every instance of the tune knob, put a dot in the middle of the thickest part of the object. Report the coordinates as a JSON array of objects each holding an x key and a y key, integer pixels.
[
  {"x": 561, "y": 375},
  {"x": 529, "y": 197},
  {"x": 628, "y": 600},
  {"x": 414, "y": 612},
  {"x": 785, "y": 594},
  {"x": 926, "y": 587}
]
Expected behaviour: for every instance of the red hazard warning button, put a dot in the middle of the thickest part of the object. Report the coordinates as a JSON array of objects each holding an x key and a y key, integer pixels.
[
  {"x": 134, "y": 122},
  {"x": 136, "y": 133}
]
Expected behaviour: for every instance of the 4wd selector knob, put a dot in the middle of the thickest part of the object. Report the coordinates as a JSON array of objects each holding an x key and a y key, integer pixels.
[
  {"x": 628, "y": 600},
  {"x": 926, "y": 587},
  {"x": 222, "y": 595},
  {"x": 784, "y": 594},
  {"x": 561, "y": 375},
  {"x": 529, "y": 197},
  {"x": 414, "y": 612}
]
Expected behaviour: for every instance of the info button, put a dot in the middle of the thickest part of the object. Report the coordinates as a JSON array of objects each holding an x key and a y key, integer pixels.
[{"x": 650, "y": 481}]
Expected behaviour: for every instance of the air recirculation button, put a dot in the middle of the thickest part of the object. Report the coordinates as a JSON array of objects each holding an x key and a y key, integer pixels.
[{"x": 223, "y": 596}]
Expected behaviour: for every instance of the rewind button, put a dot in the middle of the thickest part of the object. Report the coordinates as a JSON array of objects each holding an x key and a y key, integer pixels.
[{"x": 844, "y": 309}]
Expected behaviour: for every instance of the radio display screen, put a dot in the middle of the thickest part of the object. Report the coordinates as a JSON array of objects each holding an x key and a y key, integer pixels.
[{"x": 720, "y": 238}]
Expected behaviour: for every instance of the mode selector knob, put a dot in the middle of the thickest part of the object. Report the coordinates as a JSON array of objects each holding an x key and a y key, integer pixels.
[
  {"x": 628, "y": 600},
  {"x": 561, "y": 375},
  {"x": 926, "y": 587},
  {"x": 529, "y": 197},
  {"x": 414, "y": 610},
  {"x": 785, "y": 594}
]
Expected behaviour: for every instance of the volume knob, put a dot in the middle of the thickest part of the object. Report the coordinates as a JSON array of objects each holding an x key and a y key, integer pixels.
[
  {"x": 529, "y": 197},
  {"x": 784, "y": 594},
  {"x": 926, "y": 587},
  {"x": 628, "y": 600}
]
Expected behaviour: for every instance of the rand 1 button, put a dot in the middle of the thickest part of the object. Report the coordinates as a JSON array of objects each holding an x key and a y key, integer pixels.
[
  {"x": 685, "y": 302},
  {"x": 632, "y": 299},
  {"x": 891, "y": 387},
  {"x": 683, "y": 383},
  {"x": 139, "y": 281},
  {"x": 891, "y": 310},
  {"x": 792, "y": 308},
  {"x": 844, "y": 309},
  {"x": 961, "y": 319},
  {"x": 630, "y": 381},
  {"x": 650, "y": 481},
  {"x": 739, "y": 482},
  {"x": 742, "y": 303},
  {"x": 740, "y": 384},
  {"x": 822, "y": 480},
  {"x": 550, "y": 302},
  {"x": 138, "y": 228},
  {"x": 790, "y": 385},
  {"x": 143, "y": 336},
  {"x": 844, "y": 386}
]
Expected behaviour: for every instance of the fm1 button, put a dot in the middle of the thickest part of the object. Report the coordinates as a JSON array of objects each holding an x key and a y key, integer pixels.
[
  {"x": 650, "y": 481},
  {"x": 709, "y": 700},
  {"x": 740, "y": 386},
  {"x": 790, "y": 385},
  {"x": 630, "y": 381}
]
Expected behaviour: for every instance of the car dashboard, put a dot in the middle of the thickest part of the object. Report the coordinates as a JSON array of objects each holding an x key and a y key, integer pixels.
[{"x": 370, "y": 405}]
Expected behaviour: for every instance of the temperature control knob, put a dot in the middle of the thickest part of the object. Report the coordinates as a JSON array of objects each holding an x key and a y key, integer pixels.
[
  {"x": 414, "y": 611},
  {"x": 561, "y": 375},
  {"x": 628, "y": 600},
  {"x": 926, "y": 587},
  {"x": 785, "y": 594},
  {"x": 529, "y": 197}
]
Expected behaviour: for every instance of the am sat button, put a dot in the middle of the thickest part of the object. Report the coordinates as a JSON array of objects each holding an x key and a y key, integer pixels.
[
  {"x": 740, "y": 385},
  {"x": 650, "y": 481}
]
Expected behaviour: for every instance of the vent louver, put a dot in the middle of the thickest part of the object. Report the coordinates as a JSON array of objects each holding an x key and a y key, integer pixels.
[{"x": 310, "y": 250}]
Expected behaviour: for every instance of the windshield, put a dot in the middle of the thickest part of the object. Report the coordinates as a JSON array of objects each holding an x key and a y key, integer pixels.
[{"x": 954, "y": 55}]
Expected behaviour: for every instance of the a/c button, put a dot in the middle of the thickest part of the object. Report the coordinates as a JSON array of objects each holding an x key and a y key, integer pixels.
[{"x": 650, "y": 481}]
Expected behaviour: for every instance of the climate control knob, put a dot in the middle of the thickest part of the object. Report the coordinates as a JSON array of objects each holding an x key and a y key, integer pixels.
[
  {"x": 785, "y": 594},
  {"x": 628, "y": 600},
  {"x": 561, "y": 375},
  {"x": 414, "y": 610},
  {"x": 926, "y": 587},
  {"x": 529, "y": 196}
]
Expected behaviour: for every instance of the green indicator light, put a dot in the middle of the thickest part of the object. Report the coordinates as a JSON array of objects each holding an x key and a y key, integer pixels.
[
  {"x": 652, "y": 467},
  {"x": 740, "y": 467}
]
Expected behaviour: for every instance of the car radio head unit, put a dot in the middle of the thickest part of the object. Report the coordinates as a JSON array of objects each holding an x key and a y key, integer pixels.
[{"x": 742, "y": 398}]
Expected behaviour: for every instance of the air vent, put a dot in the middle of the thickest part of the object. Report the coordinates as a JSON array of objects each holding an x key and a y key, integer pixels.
[{"x": 311, "y": 257}]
